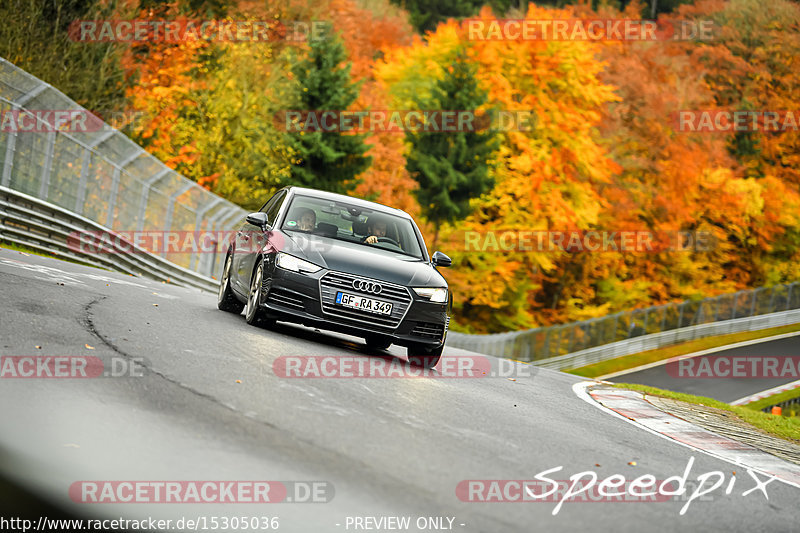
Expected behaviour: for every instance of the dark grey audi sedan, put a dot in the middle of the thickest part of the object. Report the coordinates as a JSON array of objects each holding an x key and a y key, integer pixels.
[{"x": 339, "y": 263}]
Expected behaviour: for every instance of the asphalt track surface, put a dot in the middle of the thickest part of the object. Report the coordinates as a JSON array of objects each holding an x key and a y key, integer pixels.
[
  {"x": 726, "y": 389},
  {"x": 389, "y": 447}
]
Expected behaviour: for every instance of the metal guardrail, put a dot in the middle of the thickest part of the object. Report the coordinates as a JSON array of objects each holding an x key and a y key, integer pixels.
[
  {"x": 604, "y": 338},
  {"x": 668, "y": 338},
  {"x": 101, "y": 177},
  {"x": 31, "y": 222}
]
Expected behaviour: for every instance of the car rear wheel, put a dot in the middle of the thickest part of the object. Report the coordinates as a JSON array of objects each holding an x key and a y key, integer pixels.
[
  {"x": 424, "y": 356},
  {"x": 378, "y": 342},
  {"x": 226, "y": 300},
  {"x": 254, "y": 315}
]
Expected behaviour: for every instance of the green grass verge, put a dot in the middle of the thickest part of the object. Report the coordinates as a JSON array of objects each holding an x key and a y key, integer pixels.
[
  {"x": 651, "y": 356},
  {"x": 779, "y": 426},
  {"x": 775, "y": 398}
]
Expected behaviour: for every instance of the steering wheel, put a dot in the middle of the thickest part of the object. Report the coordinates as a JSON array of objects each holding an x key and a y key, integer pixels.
[{"x": 389, "y": 240}]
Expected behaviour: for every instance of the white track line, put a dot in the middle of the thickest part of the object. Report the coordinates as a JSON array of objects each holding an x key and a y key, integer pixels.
[
  {"x": 764, "y": 393},
  {"x": 698, "y": 354},
  {"x": 688, "y": 435}
]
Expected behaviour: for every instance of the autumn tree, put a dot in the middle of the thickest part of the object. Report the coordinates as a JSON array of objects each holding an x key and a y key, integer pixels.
[
  {"x": 36, "y": 37},
  {"x": 452, "y": 168},
  {"x": 368, "y": 32},
  {"x": 209, "y": 110},
  {"x": 545, "y": 177},
  {"x": 328, "y": 160}
]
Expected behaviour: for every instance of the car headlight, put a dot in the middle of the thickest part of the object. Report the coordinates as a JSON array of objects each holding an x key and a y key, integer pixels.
[
  {"x": 437, "y": 295},
  {"x": 295, "y": 264}
]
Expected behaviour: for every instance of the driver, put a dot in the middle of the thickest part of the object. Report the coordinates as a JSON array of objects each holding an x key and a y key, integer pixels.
[
  {"x": 376, "y": 228},
  {"x": 306, "y": 219}
]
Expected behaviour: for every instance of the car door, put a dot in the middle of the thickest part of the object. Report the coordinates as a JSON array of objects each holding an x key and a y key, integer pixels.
[
  {"x": 241, "y": 248},
  {"x": 253, "y": 238}
]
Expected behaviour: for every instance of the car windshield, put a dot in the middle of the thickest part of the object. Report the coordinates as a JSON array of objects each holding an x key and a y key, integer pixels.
[{"x": 352, "y": 223}]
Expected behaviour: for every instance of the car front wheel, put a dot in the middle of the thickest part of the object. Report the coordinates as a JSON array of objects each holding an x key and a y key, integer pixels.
[
  {"x": 226, "y": 300},
  {"x": 254, "y": 315}
]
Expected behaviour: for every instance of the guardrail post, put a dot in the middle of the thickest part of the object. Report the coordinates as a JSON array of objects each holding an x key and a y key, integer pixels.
[
  {"x": 8, "y": 162},
  {"x": 198, "y": 221},
  {"x": 146, "y": 186},
  {"x": 48, "y": 164},
  {"x": 571, "y": 338},
  {"x": 170, "y": 209},
  {"x": 212, "y": 223},
  {"x": 754, "y": 294},
  {"x": 112, "y": 198},
  {"x": 614, "y": 328},
  {"x": 772, "y": 299},
  {"x": 789, "y": 296},
  {"x": 80, "y": 197},
  {"x": 546, "y": 343}
]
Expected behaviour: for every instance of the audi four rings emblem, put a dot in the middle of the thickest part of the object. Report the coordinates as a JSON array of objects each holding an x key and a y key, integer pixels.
[{"x": 367, "y": 286}]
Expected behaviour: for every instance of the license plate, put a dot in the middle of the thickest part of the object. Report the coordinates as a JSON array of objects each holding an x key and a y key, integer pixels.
[{"x": 363, "y": 304}]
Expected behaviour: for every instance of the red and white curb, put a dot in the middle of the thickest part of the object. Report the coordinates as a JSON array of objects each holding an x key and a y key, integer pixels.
[
  {"x": 633, "y": 408},
  {"x": 765, "y": 393}
]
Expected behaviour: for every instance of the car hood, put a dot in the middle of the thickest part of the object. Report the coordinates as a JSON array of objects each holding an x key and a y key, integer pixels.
[{"x": 362, "y": 260}]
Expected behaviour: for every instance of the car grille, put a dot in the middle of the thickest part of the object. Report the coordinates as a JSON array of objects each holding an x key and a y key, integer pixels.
[
  {"x": 429, "y": 330},
  {"x": 340, "y": 281},
  {"x": 285, "y": 298}
]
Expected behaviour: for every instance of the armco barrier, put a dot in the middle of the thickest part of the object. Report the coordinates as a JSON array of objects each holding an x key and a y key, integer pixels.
[
  {"x": 46, "y": 227},
  {"x": 58, "y": 178},
  {"x": 631, "y": 332},
  {"x": 667, "y": 338}
]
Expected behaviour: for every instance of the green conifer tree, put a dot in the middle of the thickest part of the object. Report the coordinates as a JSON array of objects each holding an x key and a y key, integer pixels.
[{"x": 327, "y": 160}]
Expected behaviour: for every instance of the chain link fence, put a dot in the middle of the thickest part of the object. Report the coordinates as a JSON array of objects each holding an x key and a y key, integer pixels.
[
  {"x": 553, "y": 341},
  {"x": 99, "y": 173}
]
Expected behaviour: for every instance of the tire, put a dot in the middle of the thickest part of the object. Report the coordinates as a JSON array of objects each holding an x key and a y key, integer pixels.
[
  {"x": 423, "y": 356},
  {"x": 378, "y": 342},
  {"x": 253, "y": 313},
  {"x": 226, "y": 300}
]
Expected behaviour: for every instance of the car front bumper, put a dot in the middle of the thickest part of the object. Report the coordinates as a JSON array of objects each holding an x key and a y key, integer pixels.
[{"x": 307, "y": 299}]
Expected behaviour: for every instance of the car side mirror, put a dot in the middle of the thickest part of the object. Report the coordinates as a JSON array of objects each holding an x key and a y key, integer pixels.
[
  {"x": 257, "y": 219},
  {"x": 439, "y": 259}
]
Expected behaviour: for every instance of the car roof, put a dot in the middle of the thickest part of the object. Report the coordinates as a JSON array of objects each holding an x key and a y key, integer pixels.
[{"x": 350, "y": 199}]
